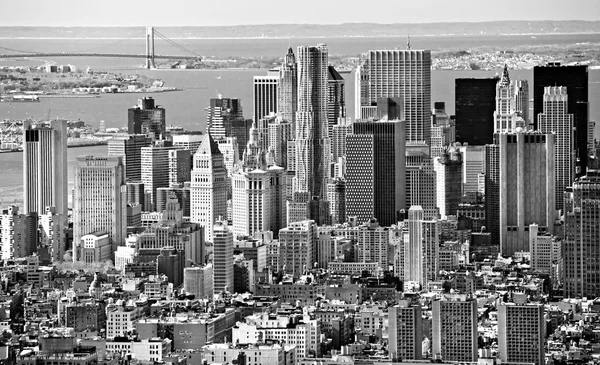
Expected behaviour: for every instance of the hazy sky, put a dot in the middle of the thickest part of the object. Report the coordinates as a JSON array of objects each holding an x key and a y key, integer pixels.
[{"x": 234, "y": 12}]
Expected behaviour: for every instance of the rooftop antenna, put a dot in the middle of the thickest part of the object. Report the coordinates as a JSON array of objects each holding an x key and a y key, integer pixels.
[{"x": 408, "y": 42}]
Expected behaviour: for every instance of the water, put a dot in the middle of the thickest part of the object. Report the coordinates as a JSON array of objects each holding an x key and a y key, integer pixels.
[{"x": 187, "y": 108}]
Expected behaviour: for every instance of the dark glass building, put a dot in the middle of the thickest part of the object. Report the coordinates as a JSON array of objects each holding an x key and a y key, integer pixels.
[
  {"x": 492, "y": 192},
  {"x": 147, "y": 118},
  {"x": 575, "y": 79},
  {"x": 475, "y": 106},
  {"x": 376, "y": 171}
]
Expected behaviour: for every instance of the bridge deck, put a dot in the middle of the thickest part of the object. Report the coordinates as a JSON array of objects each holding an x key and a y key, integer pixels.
[{"x": 121, "y": 55}]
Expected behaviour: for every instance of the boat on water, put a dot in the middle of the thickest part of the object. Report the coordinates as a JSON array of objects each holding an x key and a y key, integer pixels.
[{"x": 20, "y": 99}]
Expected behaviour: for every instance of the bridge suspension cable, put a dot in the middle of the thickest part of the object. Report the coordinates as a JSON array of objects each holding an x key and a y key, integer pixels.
[{"x": 180, "y": 47}]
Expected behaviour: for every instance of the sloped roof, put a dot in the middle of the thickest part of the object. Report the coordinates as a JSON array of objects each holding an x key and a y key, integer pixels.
[
  {"x": 208, "y": 146},
  {"x": 333, "y": 74}
]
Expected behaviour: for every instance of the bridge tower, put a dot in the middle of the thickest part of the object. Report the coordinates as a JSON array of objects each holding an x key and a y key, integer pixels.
[{"x": 150, "y": 48}]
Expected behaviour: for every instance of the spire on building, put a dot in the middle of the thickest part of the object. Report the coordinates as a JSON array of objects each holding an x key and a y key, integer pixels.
[
  {"x": 505, "y": 80},
  {"x": 408, "y": 42}
]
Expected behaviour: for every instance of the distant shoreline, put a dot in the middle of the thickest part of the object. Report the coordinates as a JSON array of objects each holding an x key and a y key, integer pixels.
[{"x": 307, "y": 37}]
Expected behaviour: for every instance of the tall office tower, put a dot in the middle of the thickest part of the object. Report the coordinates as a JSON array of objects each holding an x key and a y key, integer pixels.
[
  {"x": 372, "y": 243},
  {"x": 505, "y": 118},
  {"x": 209, "y": 186},
  {"x": 521, "y": 333},
  {"x": 136, "y": 194},
  {"x": 288, "y": 90},
  {"x": 546, "y": 253},
  {"x": 492, "y": 190},
  {"x": 556, "y": 119},
  {"x": 527, "y": 192},
  {"x": 521, "y": 99},
  {"x": 129, "y": 148},
  {"x": 240, "y": 129},
  {"x": 375, "y": 171},
  {"x": 403, "y": 74},
  {"x": 475, "y": 106},
  {"x": 339, "y": 135},
  {"x": 100, "y": 200},
  {"x": 336, "y": 98},
  {"x": 448, "y": 170},
  {"x": 147, "y": 118},
  {"x": 413, "y": 251},
  {"x": 278, "y": 135},
  {"x": 582, "y": 234},
  {"x": 222, "y": 114},
  {"x": 431, "y": 242},
  {"x": 183, "y": 194},
  {"x": 473, "y": 159},
  {"x": 45, "y": 167},
  {"x": 180, "y": 162},
  {"x": 52, "y": 234},
  {"x": 155, "y": 170},
  {"x": 298, "y": 242},
  {"x": 258, "y": 193},
  {"x": 575, "y": 79},
  {"x": 454, "y": 329},
  {"x": 312, "y": 142},
  {"x": 336, "y": 195},
  {"x": 361, "y": 91},
  {"x": 265, "y": 96},
  {"x": 229, "y": 149},
  {"x": 443, "y": 130},
  {"x": 420, "y": 181},
  {"x": 198, "y": 281},
  {"x": 18, "y": 233},
  {"x": 405, "y": 331},
  {"x": 222, "y": 257}
]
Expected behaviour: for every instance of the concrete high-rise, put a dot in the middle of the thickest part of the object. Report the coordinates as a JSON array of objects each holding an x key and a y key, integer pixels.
[
  {"x": 556, "y": 119},
  {"x": 448, "y": 170},
  {"x": 582, "y": 234},
  {"x": 475, "y": 106},
  {"x": 147, "y": 118},
  {"x": 521, "y": 333},
  {"x": 336, "y": 195},
  {"x": 375, "y": 172},
  {"x": 222, "y": 115},
  {"x": 45, "y": 167},
  {"x": 339, "y": 135},
  {"x": 575, "y": 79},
  {"x": 222, "y": 257},
  {"x": 403, "y": 74},
  {"x": 454, "y": 329},
  {"x": 288, "y": 90},
  {"x": 298, "y": 242},
  {"x": 100, "y": 200},
  {"x": 405, "y": 331},
  {"x": 336, "y": 98},
  {"x": 473, "y": 158},
  {"x": 198, "y": 281},
  {"x": 420, "y": 181},
  {"x": 312, "y": 142},
  {"x": 180, "y": 162},
  {"x": 527, "y": 192},
  {"x": 413, "y": 251},
  {"x": 18, "y": 233},
  {"x": 265, "y": 96},
  {"x": 129, "y": 147},
  {"x": 209, "y": 186},
  {"x": 155, "y": 166},
  {"x": 278, "y": 135}
]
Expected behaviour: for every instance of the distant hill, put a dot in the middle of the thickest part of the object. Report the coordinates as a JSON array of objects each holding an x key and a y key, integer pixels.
[{"x": 313, "y": 30}]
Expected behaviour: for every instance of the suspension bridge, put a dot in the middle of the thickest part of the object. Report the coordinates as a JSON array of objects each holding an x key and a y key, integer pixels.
[{"x": 125, "y": 50}]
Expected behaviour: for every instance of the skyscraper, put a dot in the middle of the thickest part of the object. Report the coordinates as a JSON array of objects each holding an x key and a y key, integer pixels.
[
  {"x": 555, "y": 119},
  {"x": 209, "y": 186},
  {"x": 147, "y": 118},
  {"x": 582, "y": 234},
  {"x": 521, "y": 99},
  {"x": 222, "y": 115},
  {"x": 297, "y": 243},
  {"x": 448, "y": 169},
  {"x": 223, "y": 257},
  {"x": 473, "y": 158},
  {"x": 336, "y": 98},
  {"x": 403, "y": 74},
  {"x": 420, "y": 181},
  {"x": 492, "y": 190},
  {"x": 405, "y": 331},
  {"x": 575, "y": 79},
  {"x": 312, "y": 142},
  {"x": 375, "y": 171},
  {"x": 336, "y": 195},
  {"x": 129, "y": 147},
  {"x": 505, "y": 117},
  {"x": 288, "y": 90},
  {"x": 198, "y": 281},
  {"x": 527, "y": 191},
  {"x": 278, "y": 135},
  {"x": 454, "y": 328},
  {"x": 18, "y": 233},
  {"x": 475, "y": 106},
  {"x": 413, "y": 251},
  {"x": 339, "y": 134},
  {"x": 521, "y": 333},
  {"x": 180, "y": 162},
  {"x": 155, "y": 170},
  {"x": 100, "y": 200},
  {"x": 45, "y": 167},
  {"x": 265, "y": 96}
]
